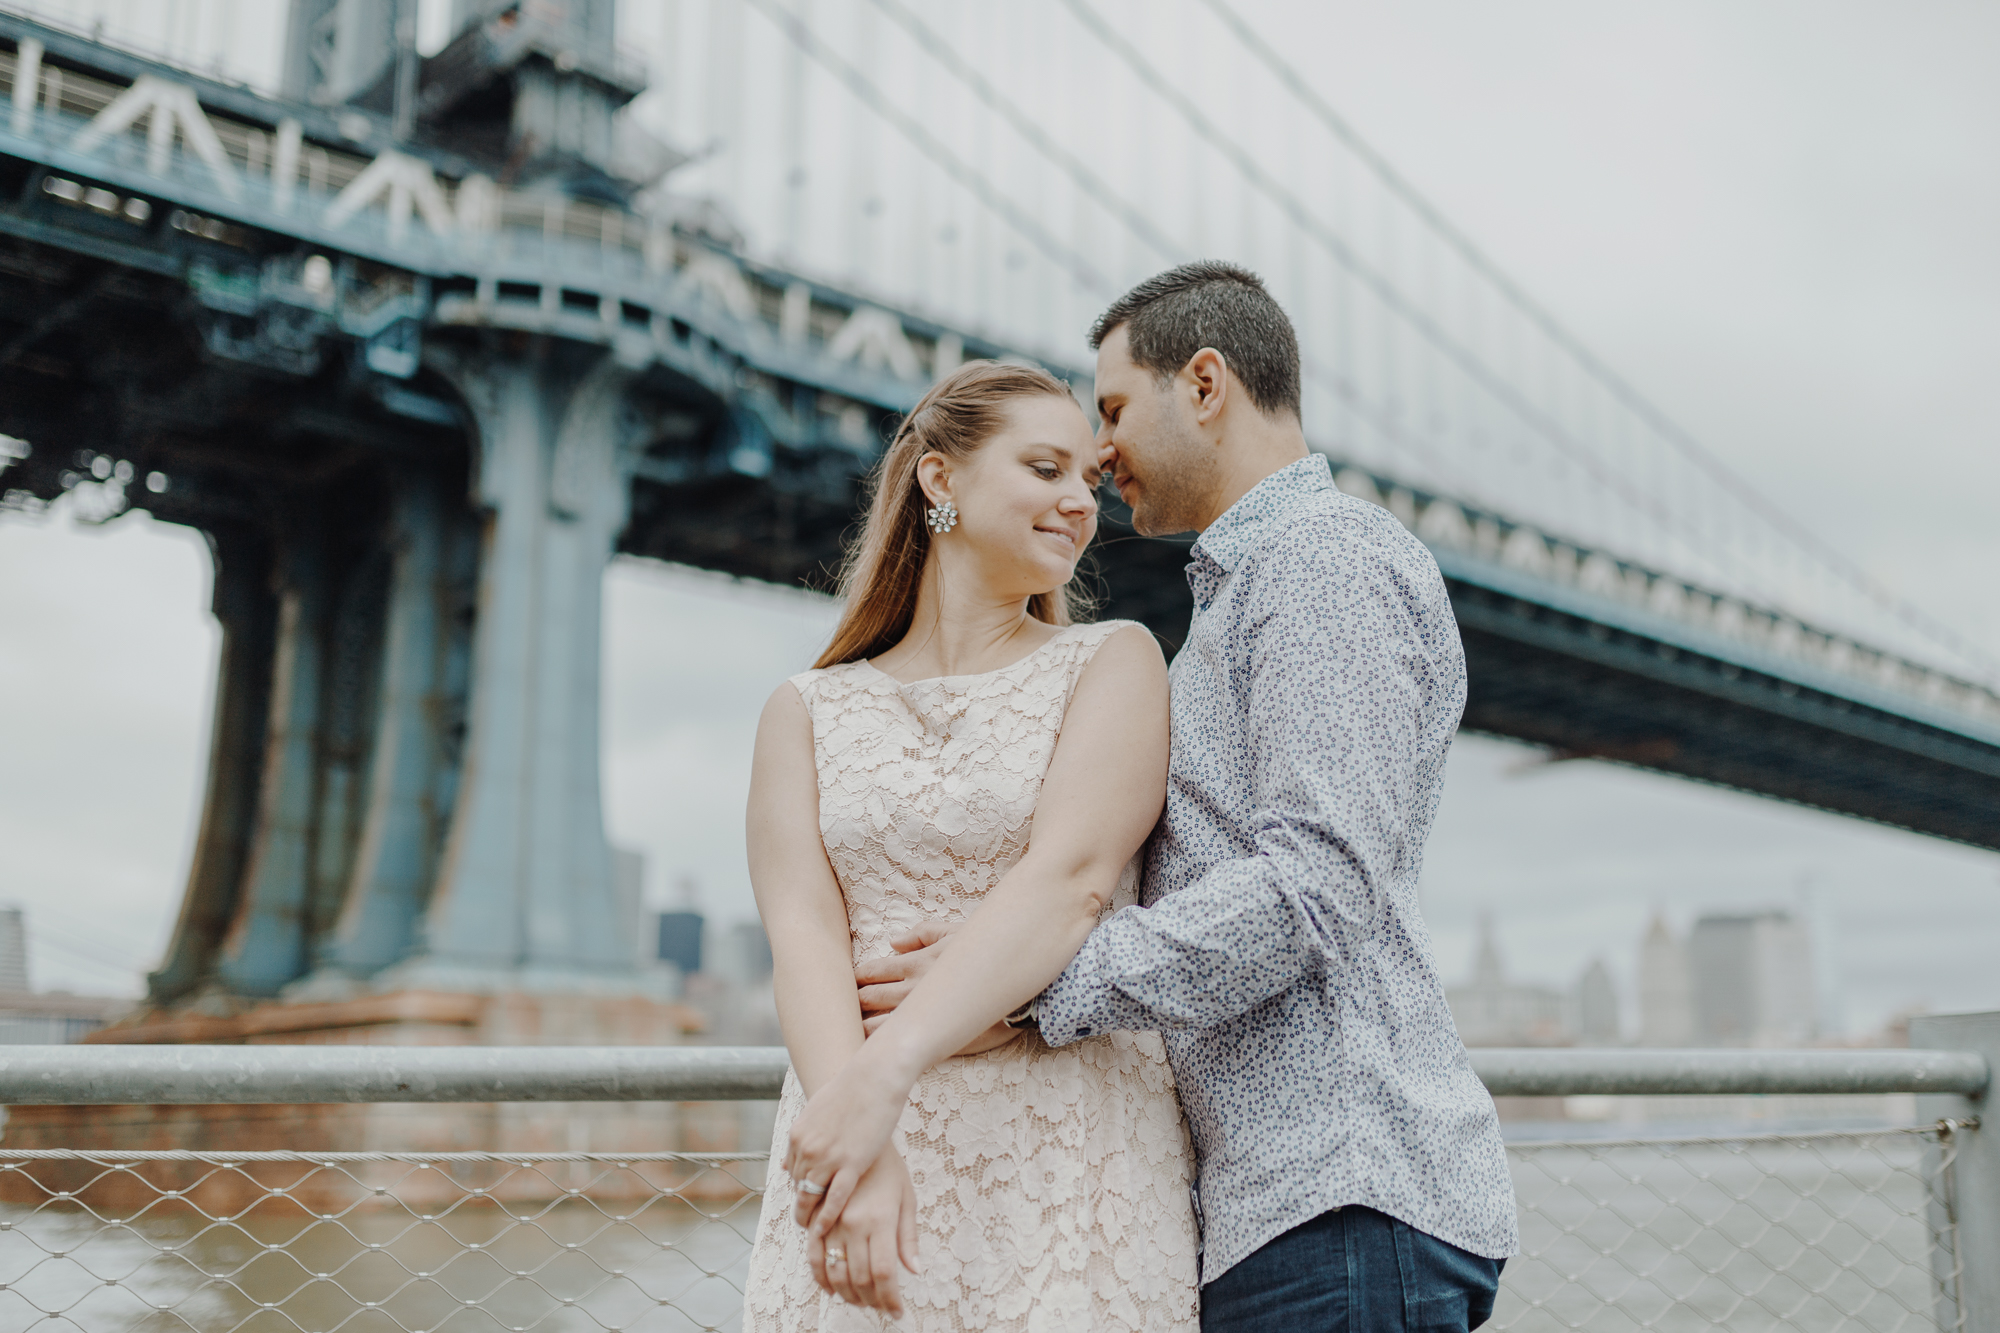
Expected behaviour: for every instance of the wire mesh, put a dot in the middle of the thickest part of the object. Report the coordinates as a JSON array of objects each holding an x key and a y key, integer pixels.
[
  {"x": 372, "y": 1242},
  {"x": 1821, "y": 1232},
  {"x": 1839, "y": 1232}
]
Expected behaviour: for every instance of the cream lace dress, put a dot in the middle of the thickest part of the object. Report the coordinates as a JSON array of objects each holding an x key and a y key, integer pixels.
[{"x": 1052, "y": 1184}]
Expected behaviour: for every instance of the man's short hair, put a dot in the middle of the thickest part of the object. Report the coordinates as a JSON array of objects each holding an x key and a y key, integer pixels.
[{"x": 1175, "y": 314}]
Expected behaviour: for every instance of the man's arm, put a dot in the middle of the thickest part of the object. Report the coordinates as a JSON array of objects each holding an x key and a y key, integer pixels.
[{"x": 1343, "y": 702}]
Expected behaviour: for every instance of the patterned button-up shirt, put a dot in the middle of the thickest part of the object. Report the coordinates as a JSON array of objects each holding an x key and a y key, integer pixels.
[{"x": 1278, "y": 946}]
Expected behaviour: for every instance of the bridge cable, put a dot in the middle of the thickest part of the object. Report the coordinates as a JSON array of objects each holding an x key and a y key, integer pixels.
[
  {"x": 1384, "y": 290},
  {"x": 1621, "y": 389},
  {"x": 1039, "y": 139},
  {"x": 1096, "y": 188},
  {"x": 802, "y": 36}
]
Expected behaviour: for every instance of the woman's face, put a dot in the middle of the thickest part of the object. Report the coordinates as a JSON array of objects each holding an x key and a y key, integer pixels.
[{"x": 1027, "y": 499}]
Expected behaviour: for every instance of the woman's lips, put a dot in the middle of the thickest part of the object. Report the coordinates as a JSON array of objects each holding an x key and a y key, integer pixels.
[{"x": 1068, "y": 537}]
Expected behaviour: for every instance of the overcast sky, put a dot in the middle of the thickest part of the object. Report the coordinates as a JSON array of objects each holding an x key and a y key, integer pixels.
[{"x": 1776, "y": 219}]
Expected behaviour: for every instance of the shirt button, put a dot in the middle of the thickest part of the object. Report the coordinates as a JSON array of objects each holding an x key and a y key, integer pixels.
[{"x": 1083, "y": 1032}]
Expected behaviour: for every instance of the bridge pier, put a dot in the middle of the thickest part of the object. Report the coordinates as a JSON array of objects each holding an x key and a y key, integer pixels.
[
  {"x": 420, "y": 702},
  {"x": 404, "y": 788},
  {"x": 524, "y": 894},
  {"x": 246, "y": 611}
]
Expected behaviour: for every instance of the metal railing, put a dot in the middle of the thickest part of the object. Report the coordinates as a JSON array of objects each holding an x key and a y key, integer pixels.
[{"x": 1851, "y": 1229}]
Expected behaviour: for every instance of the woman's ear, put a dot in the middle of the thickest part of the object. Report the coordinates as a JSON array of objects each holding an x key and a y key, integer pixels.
[{"x": 934, "y": 476}]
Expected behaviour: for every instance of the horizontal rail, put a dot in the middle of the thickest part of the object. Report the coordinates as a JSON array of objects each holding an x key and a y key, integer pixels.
[
  {"x": 102, "y": 1075},
  {"x": 1627, "y": 1073}
]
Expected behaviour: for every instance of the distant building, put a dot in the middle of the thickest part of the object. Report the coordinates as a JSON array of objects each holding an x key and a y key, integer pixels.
[
  {"x": 13, "y": 950},
  {"x": 1594, "y": 1007},
  {"x": 1752, "y": 980},
  {"x": 744, "y": 955},
  {"x": 679, "y": 940},
  {"x": 1666, "y": 1001},
  {"x": 1493, "y": 1011},
  {"x": 628, "y": 888},
  {"x": 53, "y": 1019}
]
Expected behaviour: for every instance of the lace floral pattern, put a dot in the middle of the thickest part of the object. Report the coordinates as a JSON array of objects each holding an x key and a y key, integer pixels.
[{"x": 1052, "y": 1184}]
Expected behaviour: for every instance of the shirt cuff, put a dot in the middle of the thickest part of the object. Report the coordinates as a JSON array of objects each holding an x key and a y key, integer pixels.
[{"x": 1080, "y": 1003}]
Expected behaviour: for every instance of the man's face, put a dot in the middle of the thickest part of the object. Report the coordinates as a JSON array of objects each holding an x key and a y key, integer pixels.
[{"x": 1147, "y": 438}]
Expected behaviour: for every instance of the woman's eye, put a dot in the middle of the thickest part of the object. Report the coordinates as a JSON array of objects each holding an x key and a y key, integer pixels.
[{"x": 1047, "y": 471}]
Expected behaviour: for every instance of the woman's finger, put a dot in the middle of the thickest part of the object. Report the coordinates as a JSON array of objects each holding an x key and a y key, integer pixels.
[
  {"x": 860, "y": 1272},
  {"x": 838, "y": 1191},
  {"x": 883, "y": 998},
  {"x": 808, "y": 1202},
  {"x": 923, "y": 937},
  {"x": 882, "y": 1271},
  {"x": 906, "y": 1226},
  {"x": 816, "y": 1261},
  {"x": 840, "y": 1264}
]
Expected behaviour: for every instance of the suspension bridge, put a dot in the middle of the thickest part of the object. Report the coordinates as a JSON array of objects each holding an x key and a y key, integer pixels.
[{"x": 420, "y": 342}]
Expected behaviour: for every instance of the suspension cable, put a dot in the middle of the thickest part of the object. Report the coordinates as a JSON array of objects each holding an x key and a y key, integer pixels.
[
  {"x": 802, "y": 36},
  {"x": 1622, "y": 390},
  {"x": 1097, "y": 188}
]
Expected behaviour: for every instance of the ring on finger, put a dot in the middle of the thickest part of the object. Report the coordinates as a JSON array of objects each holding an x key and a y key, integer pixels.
[
  {"x": 836, "y": 1254},
  {"x": 807, "y": 1187}
]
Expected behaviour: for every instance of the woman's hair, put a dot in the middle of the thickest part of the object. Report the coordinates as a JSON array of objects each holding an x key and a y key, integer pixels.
[{"x": 885, "y": 565}]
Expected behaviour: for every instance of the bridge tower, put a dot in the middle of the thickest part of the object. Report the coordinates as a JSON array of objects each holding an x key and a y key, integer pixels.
[
  {"x": 404, "y": 785},
  {"x": 409, "y": 347}
]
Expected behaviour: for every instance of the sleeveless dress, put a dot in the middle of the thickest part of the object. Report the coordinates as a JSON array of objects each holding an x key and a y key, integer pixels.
[{"x": 1052, "y": 1185}]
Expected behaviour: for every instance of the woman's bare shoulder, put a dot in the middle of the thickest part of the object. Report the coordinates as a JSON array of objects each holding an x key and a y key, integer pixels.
[{"x": 1129, "y": 647}]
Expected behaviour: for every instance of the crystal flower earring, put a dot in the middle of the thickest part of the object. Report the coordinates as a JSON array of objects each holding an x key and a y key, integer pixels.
[{"x": 943, "y": 518}]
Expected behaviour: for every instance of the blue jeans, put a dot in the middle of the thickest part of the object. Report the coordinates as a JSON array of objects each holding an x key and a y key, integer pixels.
[{"x": 1353, "y": 1270}]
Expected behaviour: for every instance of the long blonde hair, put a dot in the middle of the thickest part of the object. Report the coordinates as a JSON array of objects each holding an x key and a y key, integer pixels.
[{"x": 885, "y": 565}]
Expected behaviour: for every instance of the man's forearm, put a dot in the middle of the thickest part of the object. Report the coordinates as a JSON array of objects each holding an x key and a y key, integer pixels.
[{"x": 1197, "y": 958}]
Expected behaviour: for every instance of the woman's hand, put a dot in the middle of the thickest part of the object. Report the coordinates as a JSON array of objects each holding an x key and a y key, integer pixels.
[
  {"x": 884, "y": 983},
  {"x": 857, "y": 1259},
  {"x": 837, "y": 1138}
]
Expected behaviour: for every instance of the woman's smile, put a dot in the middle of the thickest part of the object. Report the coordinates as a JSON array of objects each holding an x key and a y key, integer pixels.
[{"x": 1064, "y": 535}]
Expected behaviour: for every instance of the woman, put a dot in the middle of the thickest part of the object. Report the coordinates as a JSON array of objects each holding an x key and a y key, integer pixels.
[{"x": 969, "y": 1177}]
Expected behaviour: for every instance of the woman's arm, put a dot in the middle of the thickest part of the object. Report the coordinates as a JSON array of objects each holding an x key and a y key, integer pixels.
[
  {"x": 1105, "y": 787},
  {"x": 798, "y": 896},
  {"x": 805, "y": 917}
]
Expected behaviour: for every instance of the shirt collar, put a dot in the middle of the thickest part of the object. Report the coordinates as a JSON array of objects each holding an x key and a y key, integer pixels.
[{"x": 1225, "y": 542}]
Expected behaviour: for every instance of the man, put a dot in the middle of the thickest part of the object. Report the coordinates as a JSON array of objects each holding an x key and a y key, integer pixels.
[{"x": 1351, "y": 1169}]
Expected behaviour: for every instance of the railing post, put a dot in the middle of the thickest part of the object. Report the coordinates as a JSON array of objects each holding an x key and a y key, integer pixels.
[{"x": 1976, "y": 1187}]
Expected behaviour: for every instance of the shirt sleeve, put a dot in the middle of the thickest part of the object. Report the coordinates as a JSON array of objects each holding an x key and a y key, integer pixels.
[{"x": 1340, "y": 671}]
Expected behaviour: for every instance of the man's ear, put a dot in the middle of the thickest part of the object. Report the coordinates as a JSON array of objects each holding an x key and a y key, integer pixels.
[{"x": 1208, "y": 377}]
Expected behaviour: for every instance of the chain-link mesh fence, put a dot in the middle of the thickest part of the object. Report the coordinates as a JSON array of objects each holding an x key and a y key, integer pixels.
[
  {"x": 1820, "y": 1232},
  {"x": 373, "y": 1242},
  {"x": 1826, "y": 1232}
]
